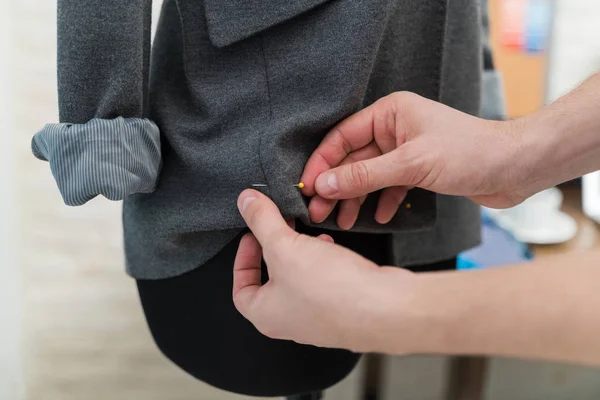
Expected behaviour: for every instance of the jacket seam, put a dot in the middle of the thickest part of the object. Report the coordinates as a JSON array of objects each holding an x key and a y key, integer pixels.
[
  {"x": 442, "y": 32},
  {"x": 270, "y": 119}
]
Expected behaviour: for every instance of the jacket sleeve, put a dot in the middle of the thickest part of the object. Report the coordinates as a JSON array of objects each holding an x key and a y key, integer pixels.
[
  {"x": 492, "y": 90},
  {"x": 103, "y": 144}
]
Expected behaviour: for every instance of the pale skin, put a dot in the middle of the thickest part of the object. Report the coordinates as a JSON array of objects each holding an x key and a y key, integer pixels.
[{"x": 322, "y": 294}]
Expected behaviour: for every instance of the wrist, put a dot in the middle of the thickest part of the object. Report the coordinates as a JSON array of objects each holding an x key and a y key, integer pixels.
[
  {"x": 373, "y": 312},
  {"x": 562, "y": 141},
  {"x": 535, "y": 156},
  {"x": 430, "y": 313},
  {"x": 507, "y": 168},
  {"x": 409, "y": 315},
  {"x": 541, "y": 154}
]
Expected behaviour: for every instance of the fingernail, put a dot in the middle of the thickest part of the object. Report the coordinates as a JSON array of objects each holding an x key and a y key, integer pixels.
[
  {"x": 327, "y": 185},
  {"x": 333, "y": 182},
  {"x": 246, "y": 203}
]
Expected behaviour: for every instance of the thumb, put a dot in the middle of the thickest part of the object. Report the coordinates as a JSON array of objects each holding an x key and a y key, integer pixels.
[
  {"x": 262, "y": 217},
  {"x": 367, "y": 176}
]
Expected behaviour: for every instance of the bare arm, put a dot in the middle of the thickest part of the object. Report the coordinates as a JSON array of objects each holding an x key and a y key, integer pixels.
[
  {"x": 429, "y": 145},
  {"x": 562, "y": 141},
  {"x": 549, "y": 309}
]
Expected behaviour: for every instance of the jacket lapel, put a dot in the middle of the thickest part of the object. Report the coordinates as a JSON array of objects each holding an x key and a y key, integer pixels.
[{"x": 230, "y": 21}]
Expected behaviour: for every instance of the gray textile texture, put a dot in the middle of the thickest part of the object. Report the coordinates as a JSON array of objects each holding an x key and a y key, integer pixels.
[
  {"x": 458, "y": 224},
  {"x": 113, "y": 158},
  {"x": 493, "y": 104},
  {"x": 243, "y": 94}
]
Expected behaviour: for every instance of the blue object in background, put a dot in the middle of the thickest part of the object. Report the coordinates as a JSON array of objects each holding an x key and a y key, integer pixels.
[
  {"x": 498, "y": 247},
  {"x": 537, "y": 25}
]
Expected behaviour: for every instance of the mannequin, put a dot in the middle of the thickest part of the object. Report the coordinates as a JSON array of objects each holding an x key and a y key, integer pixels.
[
  {"x": 244, "y": 361},
  {"x": 236, "y": 93}
]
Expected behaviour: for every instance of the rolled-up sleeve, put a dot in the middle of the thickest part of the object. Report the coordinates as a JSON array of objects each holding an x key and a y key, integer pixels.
[{"x": 103, "y": 144}]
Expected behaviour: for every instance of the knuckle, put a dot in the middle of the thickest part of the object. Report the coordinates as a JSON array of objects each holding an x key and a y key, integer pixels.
[
  {"x": 403, "y": 97},
  {"x": 267, "y": 330},
  {"x": 346, "y": 145},
  {"x": 405, "y": 104},
  {"x": 358, "y": 175},
  {"x": 239, "y": 303}
]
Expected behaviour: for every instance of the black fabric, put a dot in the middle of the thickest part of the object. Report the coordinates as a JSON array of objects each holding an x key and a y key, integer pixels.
[
  {"x": 195, "y": 324},
  {"x": 440, "y": 266},
  {"x": 307, "y": 396},
  {"x": 488, "y": 61}
]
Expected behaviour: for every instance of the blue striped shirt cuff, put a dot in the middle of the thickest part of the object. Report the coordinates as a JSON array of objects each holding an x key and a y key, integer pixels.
[{"x": 113, "y": 158}]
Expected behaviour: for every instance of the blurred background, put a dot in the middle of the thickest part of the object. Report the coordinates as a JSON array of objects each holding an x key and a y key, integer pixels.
[{"x": 71, "y": 327}]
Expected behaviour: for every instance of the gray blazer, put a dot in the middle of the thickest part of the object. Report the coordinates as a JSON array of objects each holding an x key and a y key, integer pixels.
[{"x": 238, "y": 92}]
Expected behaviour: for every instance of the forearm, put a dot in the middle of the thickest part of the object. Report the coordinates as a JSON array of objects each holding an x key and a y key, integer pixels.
[
  {"x": 549, "y": 309},
  {"x": 562, "y": 141}
]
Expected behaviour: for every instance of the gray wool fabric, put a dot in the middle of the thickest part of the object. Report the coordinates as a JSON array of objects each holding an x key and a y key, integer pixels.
[{"x": 242, "y": 93}]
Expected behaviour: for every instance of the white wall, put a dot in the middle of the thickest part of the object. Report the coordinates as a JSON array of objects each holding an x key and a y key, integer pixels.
[
  {"x": 11, "y": 377},
  {"x": 575, "y": 52},
  {"x": 156, "y": 6},
  {"x": 575, "y": 55}
]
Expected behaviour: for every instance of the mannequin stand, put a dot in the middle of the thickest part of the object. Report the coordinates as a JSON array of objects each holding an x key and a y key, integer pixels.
[{"x": 307, "y": 396}]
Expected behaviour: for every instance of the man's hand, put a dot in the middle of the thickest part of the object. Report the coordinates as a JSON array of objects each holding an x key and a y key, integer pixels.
[
  {"x": 322, "y": 294},
  {"x": 318, "y": 293},
  {"x": 404, "y": 141}
]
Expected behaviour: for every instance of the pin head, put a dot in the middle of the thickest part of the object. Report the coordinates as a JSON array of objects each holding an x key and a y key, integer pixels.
[{"x": 301, "y": 185}]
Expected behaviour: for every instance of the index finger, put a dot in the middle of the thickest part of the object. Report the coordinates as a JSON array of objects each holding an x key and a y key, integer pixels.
[
  {"x": 246, "y": 274},
  {"x": 262, "y": 217},
  {"x": 352, "y": 134}
]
